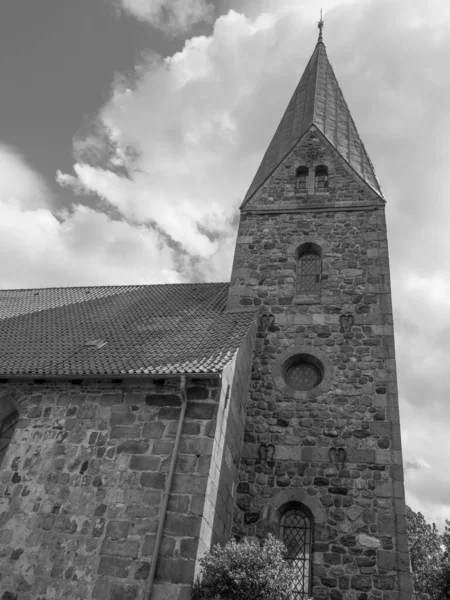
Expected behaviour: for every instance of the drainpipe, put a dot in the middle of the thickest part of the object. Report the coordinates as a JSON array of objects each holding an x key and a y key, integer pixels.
[{"x": 166, "y": 493}]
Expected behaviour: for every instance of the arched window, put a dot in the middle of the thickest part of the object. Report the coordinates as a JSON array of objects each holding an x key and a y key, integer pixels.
[
  {"x": 309, "y": 270},
  {"x": 321, "y": 178},
  {"x": 301, "y": 179},
  {"x": 6, "y": 431},
  {"x": 296, "y": 535}
]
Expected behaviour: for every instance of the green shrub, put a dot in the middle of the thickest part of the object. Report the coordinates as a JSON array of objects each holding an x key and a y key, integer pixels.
[{"x": 248, "y": 570}]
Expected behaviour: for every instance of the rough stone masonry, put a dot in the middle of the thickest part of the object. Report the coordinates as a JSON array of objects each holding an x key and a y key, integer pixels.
[{"x": 334, "y": 449}]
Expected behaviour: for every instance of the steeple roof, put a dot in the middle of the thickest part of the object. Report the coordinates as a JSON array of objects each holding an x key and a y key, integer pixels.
[{"x": 318, "y": 100}]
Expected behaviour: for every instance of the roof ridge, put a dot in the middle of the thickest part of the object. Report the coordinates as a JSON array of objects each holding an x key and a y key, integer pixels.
[{"x": 106, "y": 287}]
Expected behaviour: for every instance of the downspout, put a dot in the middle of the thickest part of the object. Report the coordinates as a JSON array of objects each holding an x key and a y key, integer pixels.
[{"x": 166, "y": 493}]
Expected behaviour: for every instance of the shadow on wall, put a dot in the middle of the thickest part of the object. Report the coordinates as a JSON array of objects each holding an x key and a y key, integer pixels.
[{"x": 9, "y": 416}]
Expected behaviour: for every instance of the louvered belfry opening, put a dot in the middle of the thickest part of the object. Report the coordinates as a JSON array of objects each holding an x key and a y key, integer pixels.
[
  {"x": 309, "y": 272},
  {"x": 321, "y": 178},
  {"x": 6, "y": 432},
  {"x": 301, "y": 179},
  {"x": 296, "y": 536}
]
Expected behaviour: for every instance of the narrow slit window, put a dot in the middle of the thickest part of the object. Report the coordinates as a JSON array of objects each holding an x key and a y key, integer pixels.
[
  {"x": 309, "y": 272},
  {"x": 296, "y": 535},
  {"x": 6, "y": 432},
  {"x": 321, "y": 178},
  {"x": 302, "y": 179}
]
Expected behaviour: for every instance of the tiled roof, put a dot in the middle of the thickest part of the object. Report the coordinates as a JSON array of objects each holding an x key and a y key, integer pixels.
[
  {"x": 148, "y": 329},
  {"x": 318, "y": 100}
]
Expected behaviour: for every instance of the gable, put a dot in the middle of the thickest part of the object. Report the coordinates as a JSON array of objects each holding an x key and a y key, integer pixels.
[{"x": 345, "y": 185}]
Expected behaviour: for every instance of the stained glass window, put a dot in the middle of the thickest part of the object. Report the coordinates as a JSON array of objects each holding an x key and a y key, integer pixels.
[
  {"x": 296, "y": 536},
  {"x": 6, "y": 431},
  {"x": 321, "y": 178},
  {"x": 302, "y": 179},
  {"x": 308, "y": 272}
]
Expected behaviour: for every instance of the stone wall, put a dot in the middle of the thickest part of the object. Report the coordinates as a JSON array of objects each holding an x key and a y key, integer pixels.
[
  {"x": 226, "y": 454},
  {"x": 81, "y": 486},
  {"x": 335, "y": 448}
]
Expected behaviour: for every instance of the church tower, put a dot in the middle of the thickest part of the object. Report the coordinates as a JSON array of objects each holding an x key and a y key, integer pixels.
[{"x": 321, "y": 465}]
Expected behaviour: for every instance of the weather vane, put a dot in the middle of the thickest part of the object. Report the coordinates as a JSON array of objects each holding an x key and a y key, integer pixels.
[{"x": 320, "y": 26}]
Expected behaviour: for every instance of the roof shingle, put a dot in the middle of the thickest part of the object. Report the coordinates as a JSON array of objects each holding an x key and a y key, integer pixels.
[{"x": 148, "y": 329}]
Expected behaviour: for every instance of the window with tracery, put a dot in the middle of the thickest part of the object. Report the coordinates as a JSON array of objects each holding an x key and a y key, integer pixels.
[
  {"x": 321, "y": 178},
  {"x": 309, "y": 272},
  {"x": 302, "y": 179},
  {"x": 296, "y": 535},
  {"x": 6, "y": 431}
]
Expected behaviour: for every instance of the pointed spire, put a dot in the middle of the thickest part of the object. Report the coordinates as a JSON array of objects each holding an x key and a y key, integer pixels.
[
  {"x": 318, "y": 101},
  {"x": 320, "y": 26}
]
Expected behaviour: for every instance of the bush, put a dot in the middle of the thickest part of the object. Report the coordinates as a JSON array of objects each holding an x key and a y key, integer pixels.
[{"x": 248, "y": 570}]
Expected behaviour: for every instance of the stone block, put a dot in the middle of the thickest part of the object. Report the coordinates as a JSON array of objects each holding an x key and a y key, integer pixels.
[
  {"x": 117, "y": 529},
  {"x": 167, "y": 547},
  {"x": 163, "y": 400},
  {"x": 122, "y": 419},
  {"x": 386, "y": 560},
  {"x": 178, "y": 503},
  {"x": 169, "y": 413},
  {"x": 121, "y": 591},
  {"x": 129, "y": 433},
  {"x": 156, "y": 481},
  {"x": 175, "y": 570},
  {"x": 189, "y": 484},
  {"x": 200, "y": 410},
  {"x": 123, "y": 548},
  {"x": 382, "y": 428},
  {"x": 384, "y": 582},
  {"x": 101, "y": 590},
  {"x": 145, "y": 463},
  {"x": 397, "y": 472},
  {"x": 162, "y": 447},
  {"x": 132, "y": 447},
  {"x": 153, "y": 430},
  {"x": 114, "y": 566},
  {"x": 189, "y": 547},
  {"x": 142, "y": 571},
  {"x": 138, "y": 511},
  {"x": 195, "y": 445},
  {"x": 196, "y": 392},
  {"x": 6, "y": 536},
  {"x": 405, "y": 582},
  {"x": 386, "y": 524},
  {"x": 182, "y": 525},
  {"x": 368, "y": 541},
  {"x": 360, "y": 455},
  {"x": 361, "y": 583},
  {"x": 171, "y": 591},
  {"x": 403, "y": 562}
]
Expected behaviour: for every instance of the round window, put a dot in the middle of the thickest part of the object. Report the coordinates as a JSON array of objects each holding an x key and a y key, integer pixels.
[{"x": 303, "y": 372}]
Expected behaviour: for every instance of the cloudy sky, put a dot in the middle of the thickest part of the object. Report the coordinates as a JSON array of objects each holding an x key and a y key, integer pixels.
[{"x": 131, "y": 129}]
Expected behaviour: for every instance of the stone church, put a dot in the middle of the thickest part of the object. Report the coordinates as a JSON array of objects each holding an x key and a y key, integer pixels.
[{"x": 140, "y": 425}]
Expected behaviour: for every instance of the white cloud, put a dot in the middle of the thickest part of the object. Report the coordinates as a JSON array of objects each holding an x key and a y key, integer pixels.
[
  {"x": 173, "y": 16},
  {"x": 40, "y": 247},
  {"x": 19, "y": 183}
]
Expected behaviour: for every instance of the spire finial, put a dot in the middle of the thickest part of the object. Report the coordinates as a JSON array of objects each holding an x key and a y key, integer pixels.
[{"x": 320, "y": 26}]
